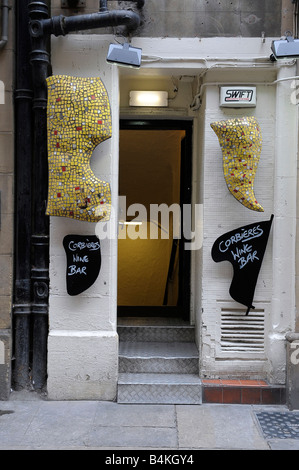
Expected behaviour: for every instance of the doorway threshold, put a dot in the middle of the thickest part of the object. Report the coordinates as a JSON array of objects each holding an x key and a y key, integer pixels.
[
  {"x": 163, "y": 311},
  {"x": 151, "y": 321}
]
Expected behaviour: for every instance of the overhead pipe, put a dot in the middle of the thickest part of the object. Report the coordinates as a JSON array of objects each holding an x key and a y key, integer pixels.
[
  {"x": 41, "y": 27},
  {"x": 62, "y": 25},
  {"x": 4, "y": 33}
]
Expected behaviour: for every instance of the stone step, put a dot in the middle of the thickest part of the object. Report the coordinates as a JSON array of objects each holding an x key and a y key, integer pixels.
[
  {"x": 157, "y": 357},
  {"x": 158, "y": 362},
  {"x": 159, "y": 388},
  {"x": 159, "y": 333}
]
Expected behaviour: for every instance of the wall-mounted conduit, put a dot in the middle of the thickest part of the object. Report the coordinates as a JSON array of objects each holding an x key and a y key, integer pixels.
[{"x": 4, "y": 27}]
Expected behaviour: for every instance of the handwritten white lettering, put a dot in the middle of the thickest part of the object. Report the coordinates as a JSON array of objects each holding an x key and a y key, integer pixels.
[
  {"x": 73, "y": 269},
  {"x": 241, "y": 251},
  {"x": 244, "y": 236},
  {"x": 92, "y": 246},
  {"x": 80, "y": 259},
  {"x": 244, "y": 255},
  {"x": 250, "y": 257}
]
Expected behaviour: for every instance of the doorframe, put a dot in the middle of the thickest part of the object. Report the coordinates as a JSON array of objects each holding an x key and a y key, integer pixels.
[{"x": 184, "y": 304}]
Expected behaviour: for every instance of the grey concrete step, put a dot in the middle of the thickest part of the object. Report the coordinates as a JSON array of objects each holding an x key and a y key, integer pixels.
[
  {"x": 156, "y": 357},
  {"x": 158, "y": 362},
  {"x": 159, "y": 388},
  {"x": 160, "y": 333}
]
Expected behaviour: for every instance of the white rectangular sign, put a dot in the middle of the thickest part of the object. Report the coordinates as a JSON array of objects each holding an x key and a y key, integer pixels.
[{"x": 238, "y": 96}]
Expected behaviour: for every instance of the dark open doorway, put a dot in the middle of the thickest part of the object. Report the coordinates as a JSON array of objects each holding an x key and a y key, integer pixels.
[{"x": 155, "y": 174}]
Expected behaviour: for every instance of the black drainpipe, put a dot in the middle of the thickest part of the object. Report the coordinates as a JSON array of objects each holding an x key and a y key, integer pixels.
[
  {"x": 40, "y": 65},
  {"x": 23, "y": 164},
  {"x": 32, "y": 292}
]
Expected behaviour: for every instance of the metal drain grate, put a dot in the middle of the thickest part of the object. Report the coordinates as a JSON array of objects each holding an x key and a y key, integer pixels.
[{"x": 279, "y": 425}]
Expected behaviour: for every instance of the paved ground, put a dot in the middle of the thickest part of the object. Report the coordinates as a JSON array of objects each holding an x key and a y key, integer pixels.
[{"x": 31, "y": 423}]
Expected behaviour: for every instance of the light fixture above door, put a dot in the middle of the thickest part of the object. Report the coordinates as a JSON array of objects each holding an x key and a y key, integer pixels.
[
  {"x": 149, "y": 98},
  {"x": 124, "y": 54}
]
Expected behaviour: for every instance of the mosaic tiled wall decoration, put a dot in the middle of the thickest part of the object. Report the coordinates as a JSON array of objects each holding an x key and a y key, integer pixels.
[
  {"x": 241, "y": 143},
  {"x": 78, "y": 118}
]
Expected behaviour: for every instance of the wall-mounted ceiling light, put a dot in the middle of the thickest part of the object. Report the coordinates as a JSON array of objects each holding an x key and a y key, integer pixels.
[
  {"x": 124, "y": 54},
  {"x": 149, "y": 98},
  {"x": 285, "y": 48}
]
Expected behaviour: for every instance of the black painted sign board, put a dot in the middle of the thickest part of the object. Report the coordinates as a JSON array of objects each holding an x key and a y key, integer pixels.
[
  {"x": 244, "y": 248},
  {"x": 83, "y": 254}
]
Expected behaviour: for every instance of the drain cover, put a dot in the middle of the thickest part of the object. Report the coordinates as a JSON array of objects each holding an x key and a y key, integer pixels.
[{"x": 279, "y": 425}]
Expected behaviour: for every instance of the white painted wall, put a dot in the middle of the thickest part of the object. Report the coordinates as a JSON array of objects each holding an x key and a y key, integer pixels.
[
  {"x": 275, "y": 189},
  {"x": 223, "y": 213},
  {"x": 83, "y": 342}
]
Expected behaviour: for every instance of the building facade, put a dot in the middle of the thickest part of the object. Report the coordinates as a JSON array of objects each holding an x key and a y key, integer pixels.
[
  {"x": 7, "y": 196},
  {"x": 155, "y": 156}
]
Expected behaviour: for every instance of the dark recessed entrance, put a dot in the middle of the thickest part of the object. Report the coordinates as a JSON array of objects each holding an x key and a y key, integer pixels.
[{"x": 154, "y": 185}]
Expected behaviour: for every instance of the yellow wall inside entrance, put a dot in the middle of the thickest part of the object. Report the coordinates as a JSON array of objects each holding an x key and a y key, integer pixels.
[{"x": 149, "y": 174}]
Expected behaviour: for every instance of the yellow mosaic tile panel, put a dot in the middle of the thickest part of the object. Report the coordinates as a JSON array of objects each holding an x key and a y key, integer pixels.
[
  {"x": 78, "y": 119},
  {"x": 241, "y": 143}
]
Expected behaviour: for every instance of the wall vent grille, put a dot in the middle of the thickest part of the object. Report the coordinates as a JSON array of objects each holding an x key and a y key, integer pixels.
[{"x": 242, "y": 333}]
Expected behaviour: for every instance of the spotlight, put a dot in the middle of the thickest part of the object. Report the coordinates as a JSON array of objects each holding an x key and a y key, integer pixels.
[
  {"x": 124, "y": 55},
  {"x": 285, "y": 48}
]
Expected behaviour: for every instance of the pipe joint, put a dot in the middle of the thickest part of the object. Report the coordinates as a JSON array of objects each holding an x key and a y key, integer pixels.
[
  {"x": 4, "y": 35},
  {"x": 36, "y": 28},
  {"x": 58, "y": 25},
  {"x": 38, "y": 10}
]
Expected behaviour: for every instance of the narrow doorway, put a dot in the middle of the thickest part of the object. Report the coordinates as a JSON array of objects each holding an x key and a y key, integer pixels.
[{"x": 154, "y": 184}]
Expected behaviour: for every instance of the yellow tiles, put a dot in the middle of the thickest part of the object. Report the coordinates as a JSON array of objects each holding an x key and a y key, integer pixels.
[
  {"x": 78, "y": 118},
  {"x": 241, "y": 143}
]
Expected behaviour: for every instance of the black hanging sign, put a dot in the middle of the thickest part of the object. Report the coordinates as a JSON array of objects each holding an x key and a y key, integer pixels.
[
  {"x": 244, "y": 248},
  {"x": 83, "y": 253}
]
